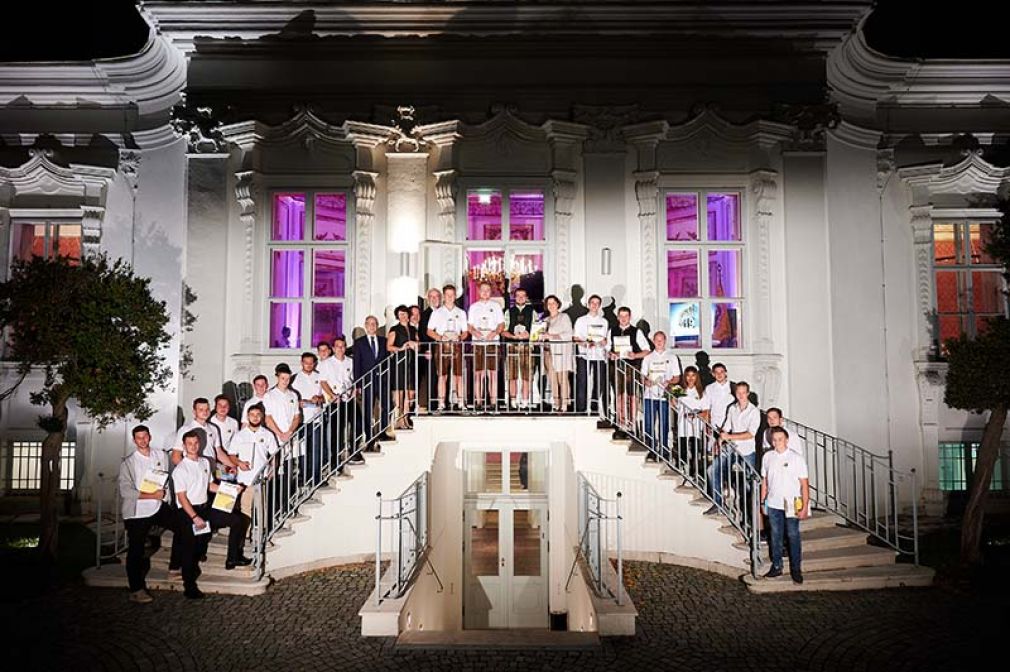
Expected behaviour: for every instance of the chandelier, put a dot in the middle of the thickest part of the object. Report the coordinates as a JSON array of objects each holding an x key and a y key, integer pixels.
[{"x": 494, "y": 271}]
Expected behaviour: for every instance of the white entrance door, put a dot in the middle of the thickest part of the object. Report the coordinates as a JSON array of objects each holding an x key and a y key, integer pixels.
[{"x": 505, "y": 560}]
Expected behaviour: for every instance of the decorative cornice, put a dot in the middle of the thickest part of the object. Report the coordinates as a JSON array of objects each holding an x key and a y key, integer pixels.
[
  {"x": 820, "y": 27},
  {"x": 762, "y": 132},
  {"x": 973, "y": 175},
  {"x": 150, "y": 80},
  {"x": 855, "y": 136},
  {"x": 40, "y": 175},
  {"x": 604, "y": 123}
]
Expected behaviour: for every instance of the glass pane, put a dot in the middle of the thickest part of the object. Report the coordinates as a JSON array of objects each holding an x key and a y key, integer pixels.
[
  {"x": 723, "y": 216},
  {"x": 327, "y": 322},
  {"x": 987, "y": 292},
  {"x": 289, "y": 217},
  {"x": 331, "y": 217},
  {"x": 979, "y": 237},
  {"x": 29, "y": 241},
  {"x": 67, "y": 241},
  {"x": 485, "y": 265},
  {"x": 682, "y": 273},
  {"x": 287, "y": 274},
  {"x": 484, "y": 543},
  {"x": 329, "y": 273},
  {"x": 483, "y": 214},
  {"x": 528, "y": 471},
  {"x": 949, "y": 291},
  {"x": 682, "y": 217},
  {"x": 724, "y": 273},
  {"x": 726, "y": 325},
  {"x": 527, "y": 271},
  {"x": 285, "y": 325},
  {"x": 685, "y": 325},
  {"x": 944, "y": 248},
  {"x": 483, "y": 472},
  {"x": 526, "y": 215},
  {"x": 526, "y": 540}
]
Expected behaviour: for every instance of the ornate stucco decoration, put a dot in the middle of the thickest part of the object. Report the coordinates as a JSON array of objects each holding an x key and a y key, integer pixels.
[
  {"x": 811, "y": 123},
  {"x": 407, "y": 135},
  {"x": 201, "y": 128},
  {"x": 604, "y": 123}
]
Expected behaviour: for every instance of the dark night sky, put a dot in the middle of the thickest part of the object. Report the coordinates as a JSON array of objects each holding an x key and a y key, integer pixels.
[{"x": 103, "y": 28}]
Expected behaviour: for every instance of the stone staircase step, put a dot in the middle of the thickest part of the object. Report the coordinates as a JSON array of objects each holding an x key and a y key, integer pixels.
[
  {"x": 214, "y": 566},
  {"x": 897, "y": 575},
  {"x": 684, "y": 489},
  {"x": 837, "y": 558},
  {"x": 823, "y": 538},
  {"x": 114, "y": 576}
]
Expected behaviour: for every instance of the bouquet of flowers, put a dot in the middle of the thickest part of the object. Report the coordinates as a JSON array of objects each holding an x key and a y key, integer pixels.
[{"x": 675, "y": 392}]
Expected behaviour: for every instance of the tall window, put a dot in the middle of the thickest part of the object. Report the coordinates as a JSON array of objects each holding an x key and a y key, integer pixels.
[
  {"x": 26, "y": 465},
  {"x": 969, "y": 284},
  {"x": 46, "y": 239},
  {"x": 308, "y": 255},
  {"x": 704, "y": 269},
  {"x": 957, "y": 466},
  {"x": 505, "y": 242}
]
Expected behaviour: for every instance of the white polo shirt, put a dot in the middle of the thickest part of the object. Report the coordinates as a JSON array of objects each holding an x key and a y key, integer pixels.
[
  {"x": 228, "y": 428},
  {"x": 254, "y": 447},
  {"x": 659, "y": 368},
  {"x": 721, "y": 397},
  {"x": 307, "y": 386},
  {"x": 193, "y": 478},
  {"x": 210, "y": 430},
  {"x": 743, "y": 420},
  {"x": 282, "y": 406},
  {"x": 783, "y": 472},
  {"x": 131, "y": 475},
  {"x": 340, "y": 376},
  {"x": 250, "y": 402},
  {"x": 444, "y": 321},
  {"x": 595, "y": 328},
  {"x": 794, "y": 443},
  {"x": 691, "y": 402},
  {"x": 486, "y": 316}
]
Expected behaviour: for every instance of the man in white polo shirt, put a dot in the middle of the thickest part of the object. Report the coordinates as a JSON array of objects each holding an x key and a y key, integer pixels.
[
  {"x": 210, "y": 439},
  {"x": 448, "y": 327},
  {"x": 785, "y": 492},
  {"x": 591, "y": 332},
  {"x": 720, "y": 393},
  {"x": 253, "y": 447},
  {"x": 660, "y": 368},
  {"x": 340, "y": 380},
  {"x": 487, "y": 321},
  {"x": 227, "y": 426},
  {"x": 144, "y": 505},
  {"x": 775, "y": 419},
  {"x": 260, "y": 387},
  {"x": 742, "y": 421},
  {"x": 307, "y": 383},
  {"x": 281, "y": 403}
]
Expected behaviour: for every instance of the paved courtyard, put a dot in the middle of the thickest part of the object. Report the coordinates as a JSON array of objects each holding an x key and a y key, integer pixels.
[{"x": 689, "y": 620}]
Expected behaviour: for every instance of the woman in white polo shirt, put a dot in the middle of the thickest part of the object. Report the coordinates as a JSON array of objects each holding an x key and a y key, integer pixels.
[{"x": 693, "y": 411}]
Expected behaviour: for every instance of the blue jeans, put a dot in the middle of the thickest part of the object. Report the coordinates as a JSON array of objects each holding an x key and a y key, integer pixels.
[
  {"x": 778, "y": 520},
  {"x": 658, "y": 409},
  {"x": 722, "y": 468}
]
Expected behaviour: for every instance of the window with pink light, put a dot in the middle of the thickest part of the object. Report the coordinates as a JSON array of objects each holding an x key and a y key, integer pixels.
[
  {"x": 526, "y": 215},
  {"x": 704, "y": 268},
  {"x": 483, "y": 214},
  {"x": 46, "y": 239},
  {"x": 969, "y": 288},
  {"x": 308, "y": 259}
]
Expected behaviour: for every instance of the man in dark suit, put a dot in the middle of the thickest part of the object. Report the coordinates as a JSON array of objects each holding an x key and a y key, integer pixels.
[
  {"x": 429, "y": 379},
  {"x": 373, "y": 380}
]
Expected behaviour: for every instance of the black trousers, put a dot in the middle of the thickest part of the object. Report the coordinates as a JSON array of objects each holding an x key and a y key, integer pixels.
[
  {"x": 598, "y": 370},
  {"x": 138, "y": 563},
  {"x": 194, "y": 547}
]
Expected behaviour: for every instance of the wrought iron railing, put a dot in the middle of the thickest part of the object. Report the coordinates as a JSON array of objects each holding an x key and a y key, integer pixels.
[
  {"x": 407, "y": 516},
  {"x": 110, "y": 537},
  {"x": 594, "y": 539}
]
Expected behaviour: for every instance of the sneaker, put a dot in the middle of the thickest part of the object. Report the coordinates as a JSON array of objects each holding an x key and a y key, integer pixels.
[
  {"x": 194, "y": 594},
  {"x": 773, "y": 573},
  {"x": 797, "y": 578},
  {"x": 711, "y": 511},
  {"x": 141, "y": 597}
]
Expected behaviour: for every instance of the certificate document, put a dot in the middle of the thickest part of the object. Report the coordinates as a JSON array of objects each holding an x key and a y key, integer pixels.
[
  {"x": 154, "y": 480},
  {"x": 622, "y": 346},
  {"x": 225, "y": 497}
]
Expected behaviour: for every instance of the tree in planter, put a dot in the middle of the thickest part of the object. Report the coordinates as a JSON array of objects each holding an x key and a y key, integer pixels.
[
  {"x": 96, "y": 333},
  {"x": 978, "y": 379}
]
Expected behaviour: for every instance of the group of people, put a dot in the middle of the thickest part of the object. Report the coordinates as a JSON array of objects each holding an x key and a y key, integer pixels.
[{"x": 616, "y": 370}]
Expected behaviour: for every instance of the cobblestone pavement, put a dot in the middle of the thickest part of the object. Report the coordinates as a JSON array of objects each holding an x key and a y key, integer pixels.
[{"x": 689, "y": 620}]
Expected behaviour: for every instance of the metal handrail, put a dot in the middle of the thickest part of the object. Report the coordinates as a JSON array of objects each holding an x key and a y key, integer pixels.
[
  {"x": 728, "y": 480},
  {"x": 594, "y": 547},
  {"x": 118, "y": 529},
  {"x": 408, "y": 518},
  {"x": 864, "y": 489}
]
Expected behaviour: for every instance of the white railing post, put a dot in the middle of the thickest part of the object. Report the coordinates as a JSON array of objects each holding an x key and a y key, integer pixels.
[
  {"x": 378, "y": 550},
  {"x": 620, "y": 556}
]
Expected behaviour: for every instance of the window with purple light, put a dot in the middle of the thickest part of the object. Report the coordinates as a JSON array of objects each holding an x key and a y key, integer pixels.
[
  {"x": 285, "y": 325},
  {"x": 526, "y": 215},
  {"x": 682, "y": 273},
  {"x": 685, "y": 324},
  {"x": 328, "y": 279},
  {"x": 287, "y": 273},
  {"x": 327, "y": 321},
  {"x": 483, "y": 215},
  {"x": 723, "y": 216},
  {"x": 486, "y": 265},
  {"x": 726, "y": 324},
  {"x": 289, "y": 217},
  {"x": 682, "y": 217},
  {"x": 330, "y": 217},
  {"x": 724, "y": 273}
]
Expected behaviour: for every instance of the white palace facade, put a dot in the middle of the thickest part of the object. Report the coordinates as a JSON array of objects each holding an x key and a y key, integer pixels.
[{"x": 752, "y": 178}]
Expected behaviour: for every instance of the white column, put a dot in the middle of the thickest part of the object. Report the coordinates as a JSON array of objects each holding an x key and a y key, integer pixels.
[{"x": 406, "y": 217}]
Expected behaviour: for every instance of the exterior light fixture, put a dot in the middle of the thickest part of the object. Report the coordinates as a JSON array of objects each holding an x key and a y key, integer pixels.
[{"x": 605, "y": 265}]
